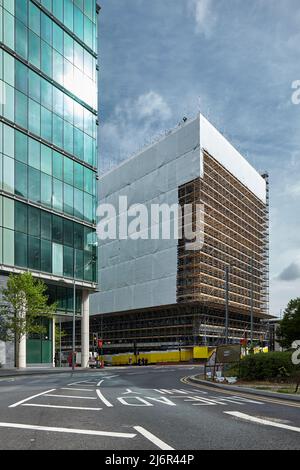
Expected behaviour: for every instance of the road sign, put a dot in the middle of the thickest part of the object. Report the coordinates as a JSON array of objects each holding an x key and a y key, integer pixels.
[{"x": 228, "y": 354}]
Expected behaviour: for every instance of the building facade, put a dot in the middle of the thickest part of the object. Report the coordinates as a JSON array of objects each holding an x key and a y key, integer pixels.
[
  {"x": 156, "y": 293},
  {"x": 48, "y": 152}
]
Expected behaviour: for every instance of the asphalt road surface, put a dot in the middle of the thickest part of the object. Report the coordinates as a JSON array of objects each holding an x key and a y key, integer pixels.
[{"x": 139, "y": 408}]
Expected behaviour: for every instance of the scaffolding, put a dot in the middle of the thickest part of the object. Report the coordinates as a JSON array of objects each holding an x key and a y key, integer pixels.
[{"x": 236, "y": 234}]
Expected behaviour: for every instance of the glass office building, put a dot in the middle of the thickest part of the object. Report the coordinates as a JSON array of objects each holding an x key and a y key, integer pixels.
[{"x": 48, "y": 149}]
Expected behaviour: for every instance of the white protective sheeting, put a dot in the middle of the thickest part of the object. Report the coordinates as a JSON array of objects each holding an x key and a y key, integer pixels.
[
  {"x": 219, "y": 148},
  {"x": 136, "y": 274},
  {"x": 142, "y": 273}
]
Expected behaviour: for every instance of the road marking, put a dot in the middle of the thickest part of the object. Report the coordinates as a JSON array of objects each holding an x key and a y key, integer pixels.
[
  {"x": 142, "y": 402},
  {"x": 70, "y": 396},
  {"x": 81, "y": 382},
  {"x": 241, "y": 399},
  {"x": 87, "y": 432},
  {"x": 63, "y": 407},
  {"x": 31, "y": 398},
  {"x": 243, "y": 394},
  {"x": 265, "y": 422},
  {"x": 110, "y": 376},
  {"x": 78, "y": 389},
  {"x": 163, "y": 400},
  {"x": 155, "y": 440},
  {"x": 103, "y": 399},
  {"x": 129, "y": 391}
]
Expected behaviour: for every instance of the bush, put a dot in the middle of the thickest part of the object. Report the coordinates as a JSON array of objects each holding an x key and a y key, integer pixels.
[{"x": 275, "y": 365}]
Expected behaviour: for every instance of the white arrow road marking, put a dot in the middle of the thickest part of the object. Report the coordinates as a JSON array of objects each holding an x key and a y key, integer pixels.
[
  {"x": 78, "y": 389},
  {"x": 30, "y": 398},
  {"x": 155, "y": 440},
  {"x": 265, "y": 422},
  {"x": 70, "y": 396},
  {"x": 129, "y": 391},
  {"x": 102, "y": 398},
  {"x": 68, "y": 430},
  {"x": 110, "y": 376},
  {"x": 81, "y": 382},
  {"x": 63, "y": 407}
]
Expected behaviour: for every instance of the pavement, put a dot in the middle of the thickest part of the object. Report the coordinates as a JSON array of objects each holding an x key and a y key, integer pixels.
[
  {"x": 39, "y": 371},
  {"x": 153, "y": 408}
]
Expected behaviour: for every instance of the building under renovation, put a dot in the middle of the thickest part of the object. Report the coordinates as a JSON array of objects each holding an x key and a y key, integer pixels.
[{"x": 157, "y": 294}]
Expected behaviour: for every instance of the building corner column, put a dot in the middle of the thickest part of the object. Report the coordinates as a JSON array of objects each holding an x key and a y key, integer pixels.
[
  {"x": 21, "y": 353},
  {"x": 85, "y": 329},
  {"x": 21, "y": 360}
]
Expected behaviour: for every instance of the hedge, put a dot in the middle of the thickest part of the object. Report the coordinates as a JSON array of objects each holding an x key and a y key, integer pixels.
[{"x": 266, "y": 366}]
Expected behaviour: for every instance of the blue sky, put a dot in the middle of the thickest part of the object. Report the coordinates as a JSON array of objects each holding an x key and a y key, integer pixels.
[{"x": 161, "y": 59}]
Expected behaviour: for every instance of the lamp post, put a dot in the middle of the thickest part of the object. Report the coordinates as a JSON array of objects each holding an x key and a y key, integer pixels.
[
  {"x": 226, "y": 302},
  {"x": 74, "y": 314},
  {"x": 227, "y": 271},
  {"x": 252, "y": 300},
  {"x": 59, "y": 342}
]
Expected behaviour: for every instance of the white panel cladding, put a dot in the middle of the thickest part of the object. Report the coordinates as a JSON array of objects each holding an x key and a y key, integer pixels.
[
  {"x": 219, "y": 148},
  {"x": 142, "y": 273}
]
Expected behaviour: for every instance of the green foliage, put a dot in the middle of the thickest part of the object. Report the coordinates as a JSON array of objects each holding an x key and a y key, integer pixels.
[
  {"x": 58, "y": 336},
  {"x": 265, "y": 366},
  {"x": 289, "y": 328},
  {"x": 24, "y": 302}
]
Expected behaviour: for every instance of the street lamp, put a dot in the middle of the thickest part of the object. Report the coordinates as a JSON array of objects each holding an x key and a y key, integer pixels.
[
  {"x": 227, "y": 271},
  {"x": 226, "y": 302},
  {"x": 252, "y": 300},
  {"x": 74, "y": 314}
]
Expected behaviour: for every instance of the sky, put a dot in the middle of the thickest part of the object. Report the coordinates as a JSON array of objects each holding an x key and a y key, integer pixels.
[{"x": 234, "y": 60}]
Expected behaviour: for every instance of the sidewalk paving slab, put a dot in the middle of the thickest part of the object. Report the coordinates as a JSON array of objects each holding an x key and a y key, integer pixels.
[{"x": 41, "y": 371}]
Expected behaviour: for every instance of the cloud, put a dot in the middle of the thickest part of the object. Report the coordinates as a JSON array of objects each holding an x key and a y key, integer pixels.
[
  {"x": 204, "y": 15},
  {"x": 293, "y": 190},
  {"x": 131, "y": 125},
  {"x": 291, "y": 273},
  {"x": 152, "y": 105}
]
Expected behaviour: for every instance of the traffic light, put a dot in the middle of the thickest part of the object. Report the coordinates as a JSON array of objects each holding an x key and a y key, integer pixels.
[{"x": 95, "y": 339}]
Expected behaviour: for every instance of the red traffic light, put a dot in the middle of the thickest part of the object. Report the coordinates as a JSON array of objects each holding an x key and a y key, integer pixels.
[{"x": 100, "y": 343}]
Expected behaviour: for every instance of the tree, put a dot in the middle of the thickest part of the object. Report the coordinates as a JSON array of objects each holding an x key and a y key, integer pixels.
[
  {"x": 59, "y": 335},
  {"x": 24, "y": 303},
  {"x": 289, "y": 327}
]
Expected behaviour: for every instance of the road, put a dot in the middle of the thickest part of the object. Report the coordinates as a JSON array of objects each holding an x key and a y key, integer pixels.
[{"x": 139, "y": 408}]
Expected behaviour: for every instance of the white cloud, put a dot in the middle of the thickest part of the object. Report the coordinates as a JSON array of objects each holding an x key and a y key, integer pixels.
[
  {"x": 293, "y": 190},
  {"x": 152, "y": 104},
  {"x": 132, "y": 124},
  {"x": 205, "y": 16}
]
